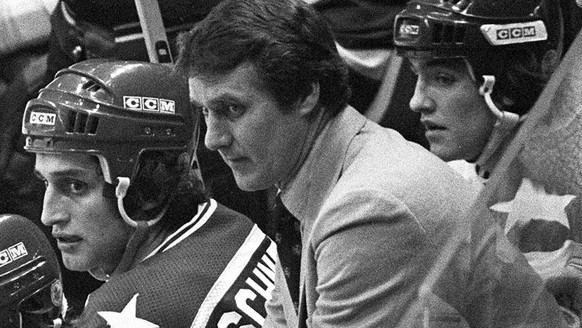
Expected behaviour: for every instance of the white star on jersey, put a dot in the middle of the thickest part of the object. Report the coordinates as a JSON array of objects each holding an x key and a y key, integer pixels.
[
  {"x": 532, "y": 201},
  {"x": 126, "y": 318}
]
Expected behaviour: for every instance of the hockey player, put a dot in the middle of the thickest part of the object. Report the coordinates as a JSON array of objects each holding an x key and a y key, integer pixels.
[
  {"x": 481, "y": 66},
  {"x": 113, "y": 144},
  {"x": 31, "y": 293}
]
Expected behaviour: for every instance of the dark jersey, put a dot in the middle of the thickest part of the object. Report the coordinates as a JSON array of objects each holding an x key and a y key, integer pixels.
[{"x": 215, "y": 271}]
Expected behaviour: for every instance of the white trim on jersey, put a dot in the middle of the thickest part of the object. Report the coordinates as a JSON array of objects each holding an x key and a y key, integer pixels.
[
  {"x": 231, "y": 273},
  {"x": 204, "y": 213}
]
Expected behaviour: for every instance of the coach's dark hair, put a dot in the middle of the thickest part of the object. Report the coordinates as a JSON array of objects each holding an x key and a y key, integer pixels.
[{"x": 288, "y": 42}]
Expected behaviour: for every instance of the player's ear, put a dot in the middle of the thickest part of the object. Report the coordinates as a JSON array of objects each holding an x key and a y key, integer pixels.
[{"x": 309, "y": 103}]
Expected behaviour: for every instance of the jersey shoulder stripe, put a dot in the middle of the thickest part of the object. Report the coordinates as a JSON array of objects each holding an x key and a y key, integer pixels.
[{"x": 204, "y": 213}]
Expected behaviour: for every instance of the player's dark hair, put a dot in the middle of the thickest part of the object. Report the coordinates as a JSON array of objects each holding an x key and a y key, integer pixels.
[{"x": 166, "y": 179}]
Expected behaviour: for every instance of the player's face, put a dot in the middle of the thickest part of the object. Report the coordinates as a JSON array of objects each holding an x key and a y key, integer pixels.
[
  {"x": 457, "y": 120},
  {"x": 258, "y": 141},
  {"x": 89, "y": 231}
]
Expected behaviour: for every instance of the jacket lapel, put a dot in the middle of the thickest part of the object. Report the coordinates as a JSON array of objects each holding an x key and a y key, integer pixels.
[{"x": 319, "y": 175}]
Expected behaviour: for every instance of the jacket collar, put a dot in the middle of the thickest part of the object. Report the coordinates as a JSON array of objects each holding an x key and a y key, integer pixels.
[{"x": 307, "y": 190}]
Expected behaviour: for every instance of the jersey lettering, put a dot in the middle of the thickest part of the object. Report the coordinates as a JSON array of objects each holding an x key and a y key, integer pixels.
[
  {"x": 227, "y": 319},
  {"x": 241, "y": 298},
  {"x": 250, "y": 292}
]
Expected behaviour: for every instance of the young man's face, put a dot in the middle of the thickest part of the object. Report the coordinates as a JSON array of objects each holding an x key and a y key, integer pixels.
[
  {"x": 89, "y": 231},
  {"x": 456, "y": 117},
  {"x": 259, "y": 142}
]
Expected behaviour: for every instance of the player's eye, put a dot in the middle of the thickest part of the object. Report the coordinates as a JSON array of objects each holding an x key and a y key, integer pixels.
[{"x": 72, "y": 186}]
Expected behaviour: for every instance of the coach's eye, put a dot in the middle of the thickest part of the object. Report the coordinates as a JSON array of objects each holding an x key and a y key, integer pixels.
[{"x": 232, "y": 111}]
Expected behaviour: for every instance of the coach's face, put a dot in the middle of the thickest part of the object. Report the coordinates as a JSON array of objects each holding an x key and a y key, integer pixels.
[{"x": 258, "y": 140}]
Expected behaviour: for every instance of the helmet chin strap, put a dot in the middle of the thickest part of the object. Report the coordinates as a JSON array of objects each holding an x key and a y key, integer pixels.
[
  {"x": 506, "y": 122},
  {"x": 138, "y": 236},
  {"x": 120, "y": 191}
]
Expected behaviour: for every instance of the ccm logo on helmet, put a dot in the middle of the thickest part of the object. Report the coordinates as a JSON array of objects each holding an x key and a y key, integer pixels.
[
  {"x": 149, "y": 104},
  {"x": 517, "y": 32},
  {"x": 43, "y": 118},
  {"x": 514, "y": 33},
  {"x": 12, "y": 253},
  {"x": 408, "y": 30}
]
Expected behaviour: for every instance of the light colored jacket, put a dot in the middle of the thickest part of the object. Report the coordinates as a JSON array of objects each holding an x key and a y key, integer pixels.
[{"x": 376, "y": 214}]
